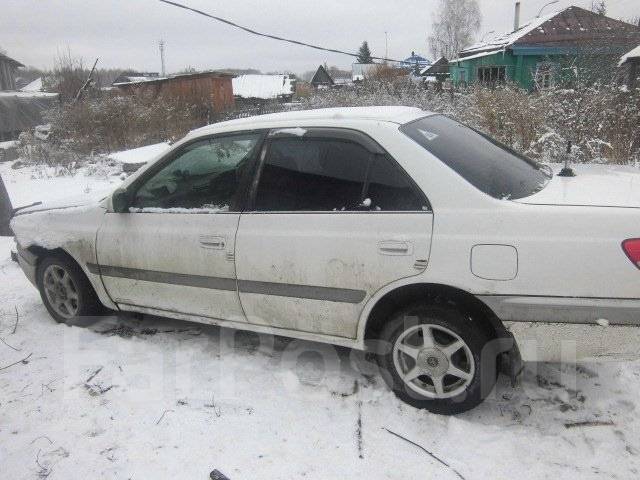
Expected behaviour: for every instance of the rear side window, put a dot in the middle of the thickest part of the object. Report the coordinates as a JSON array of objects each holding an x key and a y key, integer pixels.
[
  {"x": 307, "y": 174},
  {"x": 484, "y": 162},
  {"x": 389, "y": 188}
]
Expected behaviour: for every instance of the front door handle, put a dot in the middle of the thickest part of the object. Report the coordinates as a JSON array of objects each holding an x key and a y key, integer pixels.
[
  {"x": 395, "y": 247},
  {"x": 213, "y": 242}
]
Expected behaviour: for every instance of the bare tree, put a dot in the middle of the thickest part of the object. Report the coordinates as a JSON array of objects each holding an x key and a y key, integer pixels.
[
  {"x": 599, "y": 7},
  {"x": 67, "y": 77},
  {"x": 454, "y": 27}
]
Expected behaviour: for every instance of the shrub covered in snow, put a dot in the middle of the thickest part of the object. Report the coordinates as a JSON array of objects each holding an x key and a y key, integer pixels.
[
  {"x": 116, "y": 122},
  {"x": 601, "y": 121}
]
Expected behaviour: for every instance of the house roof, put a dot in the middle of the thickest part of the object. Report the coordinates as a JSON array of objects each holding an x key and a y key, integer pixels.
[
  {"x": 145, "y": 80},
  {"x": 635, "y": 53},
  {"x": 322, "y": 77},
  {"x": 21, "y": 111},
  {"x": 35, "y": 86},
  {"x": 11, "y": 61},
  {"x": 416, "y": 59},
  {"x": 440, "y": 66},
  {"x": 262, "y": 86},
  {"x": 572, "y": 25}
]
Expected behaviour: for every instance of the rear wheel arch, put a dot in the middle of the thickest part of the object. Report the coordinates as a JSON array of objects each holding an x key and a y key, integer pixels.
[{"x": 406, "y": 295}]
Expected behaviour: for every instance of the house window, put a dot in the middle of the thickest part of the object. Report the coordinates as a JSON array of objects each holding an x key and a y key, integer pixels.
[
  {"x": 492, "y": 75},
  {"x": 544, "y": 76}
]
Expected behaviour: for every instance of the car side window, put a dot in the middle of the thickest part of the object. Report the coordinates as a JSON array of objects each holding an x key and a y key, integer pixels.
[
  {"x": 389, "y": 189},
  {"x": 204, "y": 175},
  {"x": 312, "y": 174}
]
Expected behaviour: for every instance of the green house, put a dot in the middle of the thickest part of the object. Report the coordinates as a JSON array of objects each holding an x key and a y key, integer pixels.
[{"x": 547, "y": 50}]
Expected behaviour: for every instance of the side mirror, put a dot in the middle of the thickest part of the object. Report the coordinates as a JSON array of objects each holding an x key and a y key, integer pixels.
[{"x": 120, "y": 201}]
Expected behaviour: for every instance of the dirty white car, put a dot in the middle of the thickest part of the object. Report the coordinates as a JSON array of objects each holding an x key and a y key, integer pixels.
[{"x": 389, "y": 228}]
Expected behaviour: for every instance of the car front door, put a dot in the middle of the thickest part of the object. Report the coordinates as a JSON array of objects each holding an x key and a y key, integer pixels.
[
  {"x": 332, "y": 219},
  {"x": 173, "y": 250}
]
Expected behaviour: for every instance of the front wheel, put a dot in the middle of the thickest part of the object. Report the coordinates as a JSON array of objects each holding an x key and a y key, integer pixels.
[
  {"x": 65, "y": 290},
  {"x": 438, "y": 358}
]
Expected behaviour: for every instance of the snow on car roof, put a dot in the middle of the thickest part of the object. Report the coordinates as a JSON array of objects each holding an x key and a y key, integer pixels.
[{"x": 393, "y": 114}]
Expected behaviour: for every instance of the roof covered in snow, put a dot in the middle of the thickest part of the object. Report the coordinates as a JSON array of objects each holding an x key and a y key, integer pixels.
[
  {"x": 22, "y": 111},
  {"x": 263, "y": 86},
  {"x": 635, "y": 53},
  {"x": 125, "y": 80},
  {"x": 10, "y": 61},
  {"x": 570, "y": 26},
  {"x": 439, "y": 67},
  {"x": 416, "y": 59},
  {"x": 35, "y": 86}
]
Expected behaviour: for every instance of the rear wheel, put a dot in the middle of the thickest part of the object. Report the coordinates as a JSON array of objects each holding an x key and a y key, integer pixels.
[
  {"x": 65, "y": 290},
  {"x": 438, "y": 358}
]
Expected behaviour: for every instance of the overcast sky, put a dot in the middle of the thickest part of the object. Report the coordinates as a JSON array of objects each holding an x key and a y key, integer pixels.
[{"x": 125, "y": 33}]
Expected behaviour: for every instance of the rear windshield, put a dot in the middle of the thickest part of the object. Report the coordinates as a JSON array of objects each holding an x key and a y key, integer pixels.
[{"x": 490, "y": 166}]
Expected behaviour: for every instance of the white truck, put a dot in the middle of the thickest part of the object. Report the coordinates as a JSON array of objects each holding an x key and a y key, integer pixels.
[{"x": 388, "y": 228}]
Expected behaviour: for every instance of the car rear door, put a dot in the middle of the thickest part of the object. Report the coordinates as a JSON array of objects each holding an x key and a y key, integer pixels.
[
  {"x": 332, "y": 219},
  {"x": 173, "y": 251}
]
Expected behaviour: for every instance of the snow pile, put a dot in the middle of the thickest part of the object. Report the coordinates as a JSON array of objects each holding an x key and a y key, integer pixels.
[{"x": 141, "y": 154}]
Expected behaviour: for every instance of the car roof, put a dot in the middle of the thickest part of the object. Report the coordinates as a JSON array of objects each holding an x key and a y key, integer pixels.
[{"x": 393, "y": 114}]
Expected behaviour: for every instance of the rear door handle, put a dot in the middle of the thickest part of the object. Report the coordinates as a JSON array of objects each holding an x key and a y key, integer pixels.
[
  {"x": 395, "y": 247},
  {"x": 213, "y": 242}
]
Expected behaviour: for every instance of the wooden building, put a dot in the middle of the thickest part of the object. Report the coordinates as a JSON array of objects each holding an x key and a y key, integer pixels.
[
  {"x": 438, "y": 71},
  {"x": 321, "y": 79},
  {"x": 8, "y": 67},
  {"x": 211, "y": 90},
  {"x": 629, "y": 68},
  {"x": 535, "y": 55}
]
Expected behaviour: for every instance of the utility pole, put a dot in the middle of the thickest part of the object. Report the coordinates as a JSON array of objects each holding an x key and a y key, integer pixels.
[
  {"x": 162, "y": 56},
  {"x": 386, "y": 45}
]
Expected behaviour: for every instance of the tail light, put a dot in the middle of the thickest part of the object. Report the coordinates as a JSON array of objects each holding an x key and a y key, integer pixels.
[{"x": 632, "y": 248}]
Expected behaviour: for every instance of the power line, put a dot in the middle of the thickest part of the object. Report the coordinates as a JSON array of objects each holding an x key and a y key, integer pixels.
[{"x": 273, "y": 37}]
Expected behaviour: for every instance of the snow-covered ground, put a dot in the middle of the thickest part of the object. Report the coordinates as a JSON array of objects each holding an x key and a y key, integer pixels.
[
  {"x": 142, "y": 154},
  {"x": 123, "y": 397}
]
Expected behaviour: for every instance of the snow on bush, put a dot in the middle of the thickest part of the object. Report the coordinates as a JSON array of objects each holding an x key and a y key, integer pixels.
[{"x": 601, "y": 121}]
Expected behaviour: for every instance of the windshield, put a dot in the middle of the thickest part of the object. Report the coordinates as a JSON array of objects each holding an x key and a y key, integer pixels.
[{"x": 488, "y": 165}]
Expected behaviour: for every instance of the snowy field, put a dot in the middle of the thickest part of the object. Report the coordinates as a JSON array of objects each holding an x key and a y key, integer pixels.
[{"x": 124, "y": 397}]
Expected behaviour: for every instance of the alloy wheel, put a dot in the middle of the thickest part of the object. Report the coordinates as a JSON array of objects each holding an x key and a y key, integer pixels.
[{"x": 433, "y": 361}]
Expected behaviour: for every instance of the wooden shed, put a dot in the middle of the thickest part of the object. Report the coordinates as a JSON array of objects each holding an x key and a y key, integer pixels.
[
  {"x": 8, "y": 67},
  {"x": 213, "y": 90}
]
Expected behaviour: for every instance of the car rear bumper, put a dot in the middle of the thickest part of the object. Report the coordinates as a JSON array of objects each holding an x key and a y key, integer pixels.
[
  {"x": 569, "y": 329},
  {"x": 571, "y": 342}
]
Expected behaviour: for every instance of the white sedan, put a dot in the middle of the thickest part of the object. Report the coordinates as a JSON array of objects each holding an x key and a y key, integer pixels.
[{"x": 389, "y": 229}]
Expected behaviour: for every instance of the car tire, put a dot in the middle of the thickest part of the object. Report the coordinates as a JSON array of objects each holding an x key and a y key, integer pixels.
[
  {"x": 65, "y": 290},
  {"x": 450, "y": 372}
]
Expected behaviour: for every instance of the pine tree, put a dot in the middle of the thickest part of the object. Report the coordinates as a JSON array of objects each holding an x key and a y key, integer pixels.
[{"x": 364, "y": 54}]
